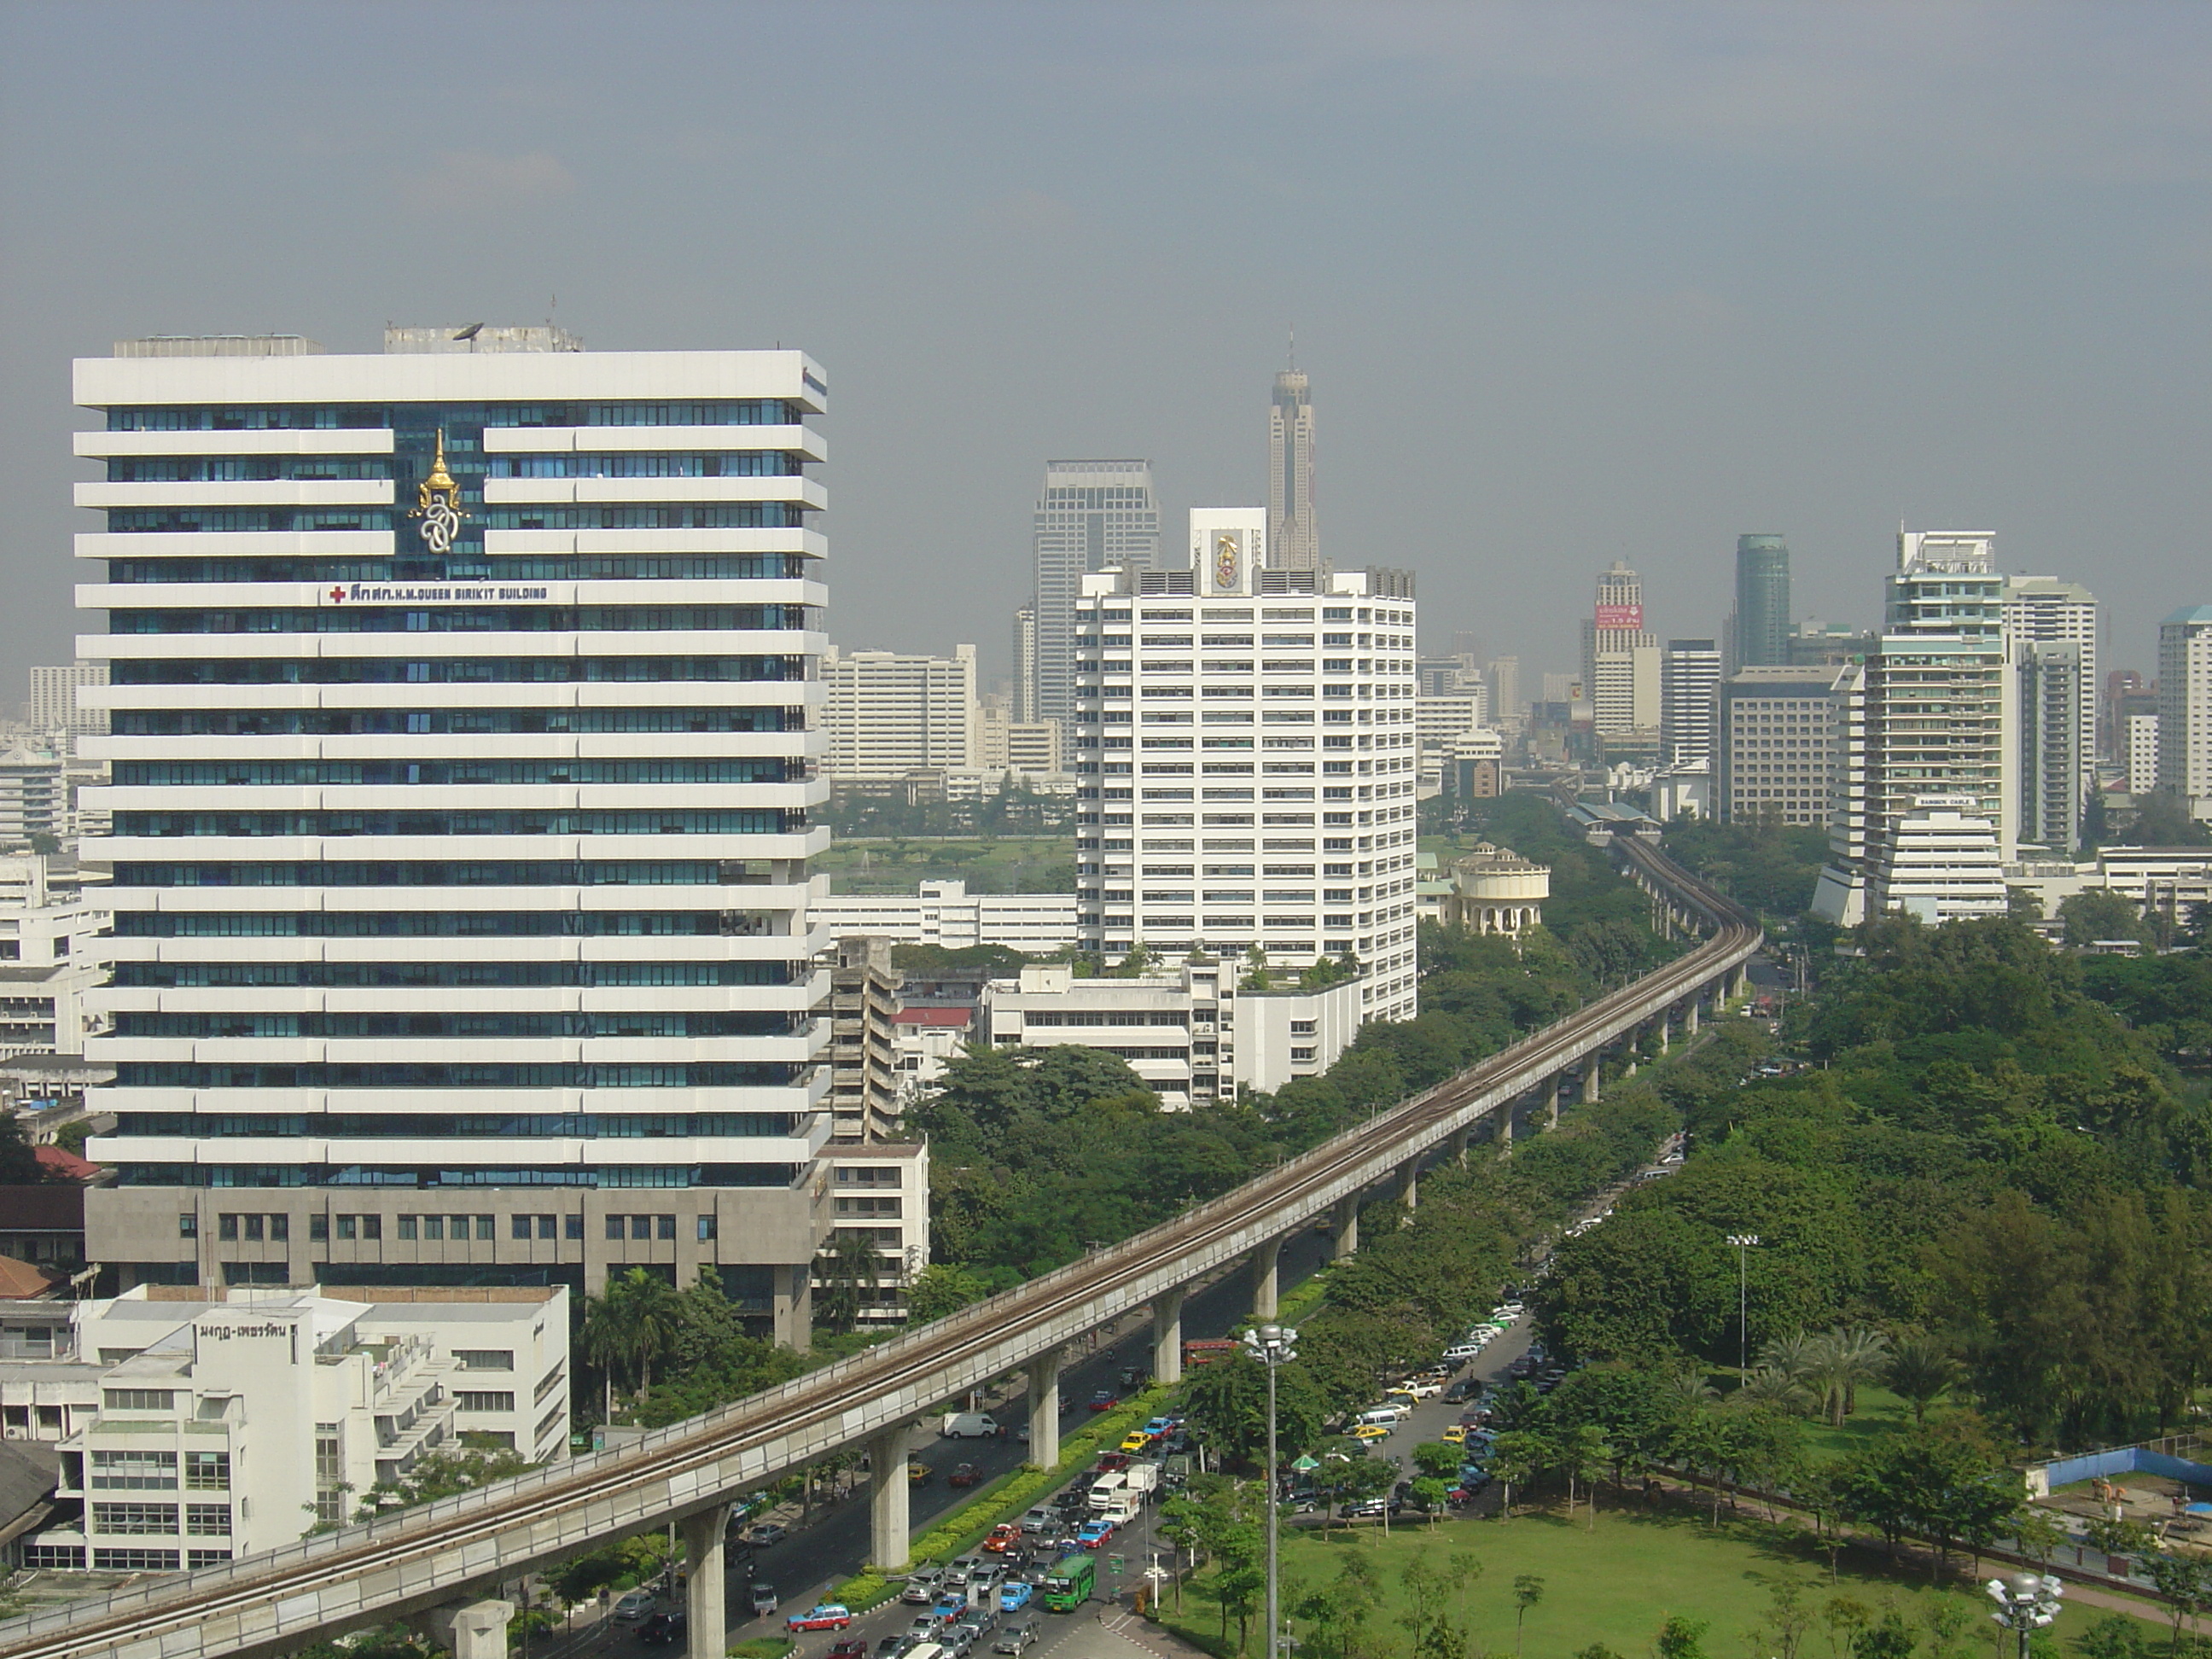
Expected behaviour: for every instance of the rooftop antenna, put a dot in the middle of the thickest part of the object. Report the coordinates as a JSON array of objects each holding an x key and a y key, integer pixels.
[{"x": 1294, "y": 348}]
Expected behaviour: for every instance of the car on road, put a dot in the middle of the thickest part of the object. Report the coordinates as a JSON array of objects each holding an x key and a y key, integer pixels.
[
  {"x": 1039, "y": 1519},
  {"x": 849, "y": 1646},
  {"x": 1018, "y": 1636},
  {"x": 634, "y": 1606},
  {"x": 892, "y": 1646},
  {"x": 1015, "y": 1594},
  {"x": 963, "y": 1474},
  {"x": 1103, "y": 1399},
  {"x": 1003, "y": 1537},
  {"x": 950, "y": 1606},
  {"x": 1157, "y": 1427},
  {"x": 1368, "y": 1433},
  {"x": 1453, "y": 1433},
  {"x": 921, "y": 1586},
  {"x": 765, "y": 1600},
  {"x": 1136, "y": 1441},
  {"x": 1093, "y": 1533},
  {"x": 766, "y": 1534},
  {"x": 1108, "y": 1462},
  {"x": 823, "y": 1615},
  {"x": 955, "y": 1639},
  {"x": 925, "y": 1628},
  {"x": 665, "y": 1627},
  {"x": 918, "y": 1474}
]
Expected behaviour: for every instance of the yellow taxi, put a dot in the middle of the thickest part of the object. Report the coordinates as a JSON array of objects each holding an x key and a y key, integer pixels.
[
  {"x": 1455, "y": 1434},
  {"x": 1135, "y": 1442},
  {"x": 1370, "y": 1432}
]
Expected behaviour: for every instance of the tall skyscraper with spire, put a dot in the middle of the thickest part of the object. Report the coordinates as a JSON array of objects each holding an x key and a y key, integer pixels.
[{"x": 1293, "y": 539}]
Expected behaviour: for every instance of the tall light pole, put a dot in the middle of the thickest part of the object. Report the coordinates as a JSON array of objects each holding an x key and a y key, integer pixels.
[
  {"x": 1271, "y": 1346},
  {"x": 2026, "y": 1604},
  {"x": 1745, "y": 1243}
]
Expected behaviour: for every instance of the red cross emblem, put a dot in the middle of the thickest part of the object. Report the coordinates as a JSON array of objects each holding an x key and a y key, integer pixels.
[{"x": 338, "y": 595}]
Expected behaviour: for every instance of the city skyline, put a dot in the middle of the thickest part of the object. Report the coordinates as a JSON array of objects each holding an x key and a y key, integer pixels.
[{"x": 1575, "y": 308}]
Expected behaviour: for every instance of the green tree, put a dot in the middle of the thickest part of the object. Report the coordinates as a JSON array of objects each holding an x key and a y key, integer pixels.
[
  {"x": 852, "y": 1268},
  {"x": 1887, "y": 1637},
  {"x": 2186, "y": 1580},
  {"x": 626, "y": 1328},
  {"x": 941, "y": 1289},
  {"x": 1527, "y": 1591},
  {"x": 441, "y": 1474},
  {"x": 1227, "y": 1404},
  {"x": 1920, "y": 1373},
  {"x": 2098, "y": 913},
  {"x": 1681, "y": 1638}
]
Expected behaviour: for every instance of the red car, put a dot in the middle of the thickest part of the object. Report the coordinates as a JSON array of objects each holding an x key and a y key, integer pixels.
[
  {"x": 850, "y": 1648},
  {"x": 965, "y": 1475},
  {"x": 823, "y": 1615},
  {"x": 1112, "y": 1461},
  {"x": 1003, "y": 1537},
  {"x": 1103, "y": 1401}
]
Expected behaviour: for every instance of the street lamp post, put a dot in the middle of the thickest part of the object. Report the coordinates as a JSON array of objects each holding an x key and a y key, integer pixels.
[
  {"x": 1271, "y": 1346},
  {"x": 1745, "y": 1243},
  {"x": 2027, "y": 1603}
]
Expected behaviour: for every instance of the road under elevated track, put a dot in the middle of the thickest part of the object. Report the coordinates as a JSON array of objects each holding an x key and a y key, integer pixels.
[{"x": 418, "y": 1560}]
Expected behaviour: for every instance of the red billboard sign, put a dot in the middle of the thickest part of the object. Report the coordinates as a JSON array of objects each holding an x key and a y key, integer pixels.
[{"x": 1621, "y": 615}]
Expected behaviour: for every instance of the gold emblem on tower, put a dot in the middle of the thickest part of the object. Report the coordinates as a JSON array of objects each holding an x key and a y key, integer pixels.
[{"x": 438, "y": 504}]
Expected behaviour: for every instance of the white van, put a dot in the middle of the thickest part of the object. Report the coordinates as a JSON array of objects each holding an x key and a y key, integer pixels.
[
  {"x": 1383, "y": 1417},
  {"x": 969, "y": 1425}
]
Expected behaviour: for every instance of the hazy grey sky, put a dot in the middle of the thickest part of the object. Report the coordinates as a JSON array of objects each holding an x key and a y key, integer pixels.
[{"x": 1575, "y": 282}]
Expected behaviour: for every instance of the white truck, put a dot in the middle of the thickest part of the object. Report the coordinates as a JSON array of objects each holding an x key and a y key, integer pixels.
[
  {"x": 1142, "y": 1477},
  {"x": 969, "y": 1425},
  {"x": 1106, "y": 1490}
]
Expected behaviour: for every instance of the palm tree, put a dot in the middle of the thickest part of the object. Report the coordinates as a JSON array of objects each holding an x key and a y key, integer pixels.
[
  {"x": 1921, "y": 1372},
  {"x": 628, "y": 1327},
  {"x": 1769, "y": 1385},
  {"x": 1690, "y": 1387},
  {"x": 850, "y": 1262},
  {"x": 1857, "y": 1354}
]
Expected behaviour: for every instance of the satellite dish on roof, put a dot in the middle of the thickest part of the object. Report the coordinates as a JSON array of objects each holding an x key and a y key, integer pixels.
[{"x": 470, "y": 332}]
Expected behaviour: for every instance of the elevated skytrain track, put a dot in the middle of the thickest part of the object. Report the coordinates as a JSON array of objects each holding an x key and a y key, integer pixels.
[{"x": 409, "y": 1563}]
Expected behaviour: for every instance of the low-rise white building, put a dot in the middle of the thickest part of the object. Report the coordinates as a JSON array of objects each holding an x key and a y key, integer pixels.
[
  {"x": 192, "y": 1430},
  {"x": 945, "y": 913},
  {"x": 1200, "y": 1031},
  {"x": 1495, "y": 890},
  {"x": 924, "y": 1041},
  {"x": 879, "y": 1190},
  {"x": 1940, "y": 862},
  {"x": 53, "y": 936}
]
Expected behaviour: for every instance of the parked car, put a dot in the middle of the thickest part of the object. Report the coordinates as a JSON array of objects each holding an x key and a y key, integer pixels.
[
  {"x": 765, "y": 1600},
  {"x": 1016, "y": 1637},
  {"x": 634, "y": 1606},
  {"x": 1453, "y": 1434},
  {"x": 766, "y": 1534},
  {"x": 1368, "y": 1433},
  {"x": 823, "y": 1615}
]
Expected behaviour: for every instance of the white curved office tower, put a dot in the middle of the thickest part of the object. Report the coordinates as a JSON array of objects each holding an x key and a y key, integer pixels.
[
  {"x": 465, "y": 726},
  {"x": 1245, "y": 758}
]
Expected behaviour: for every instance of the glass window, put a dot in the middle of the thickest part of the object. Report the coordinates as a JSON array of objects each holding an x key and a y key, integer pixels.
[
  {"x": 548, "y": 1226},
  {"x": 256, "y": 1228},
  {"x": 641, "y": 1226},
  {"x": 349, "y": 1227},
  {"x": 665, "y": 1227},
  {"x": 207, "y": 1471},
  {"x": 372, "y": 1226},
  {"x": 706, "y": 1228},
  {"x": 614, "y": 1227},
  {"x": 188, "y": 1226},
  {"x": 575, "y": 1226},
  {"x": 407, "y": 1226},
  {"x": 518, "y": 1226},
  {"x": 280, "y": 1228},
  {"x": 433, "y": 1226},
  {"x": 226, "y": 1227},
  {"x": 207, "y": 1520},
  {"x": 318, "y": 1229},
  {"x": 484, "y": 1227}
]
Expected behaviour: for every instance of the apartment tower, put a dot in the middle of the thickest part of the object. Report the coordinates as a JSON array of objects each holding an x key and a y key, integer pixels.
[
  {"x": 1245, "y": 761},
  {"x": 1759, "y": 628}
]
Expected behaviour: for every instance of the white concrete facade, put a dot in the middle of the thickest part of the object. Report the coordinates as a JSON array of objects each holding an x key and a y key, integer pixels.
[
  {"x": 466, "y": 721},
  {"x": 2184, "y": 707},
  {"x": 1245, "y": 760},
  {"x": 890, "y": 713},
  {"x": 2045, "y": 620},
  {"x": 1195, "y": 1032},
  {"x": 1939, "y": 863},
  {"x": 196, "y": 1429},
  {"x": 2142, "y": 753},
  {"x": 1689, "y": 702},
  {"x": 946, "y": 914}
]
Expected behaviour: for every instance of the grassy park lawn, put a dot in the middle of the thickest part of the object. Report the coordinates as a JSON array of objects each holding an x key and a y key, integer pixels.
[
  {"x": 987, "y": 865},
  {"x": 1879, "y": 1412},
  {"x": 1616, "y": 1584}
]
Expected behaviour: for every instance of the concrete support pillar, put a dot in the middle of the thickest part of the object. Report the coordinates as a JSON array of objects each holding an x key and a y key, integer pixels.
[
  {"x": 888, "y": 1540},
  {"x": 1044, "y": 1403},
  {"x": 1690, "y": 1018},
  {"x": 1504, "y": 1130},
  {"x": 1346, "y": 1218},
  {"x": 471, "y": 1629},
  {"x": 1666, "y": 1029},
  {"x": 1265, "y": 1260},
  {"x": 706, "y": 1602},
  {"x": 1409, "y": 1185},
  {"x": 1551, "y": 1099},
  {"x": 1167, "y": 1336},
  {"x": 1456, "y": 1146},
  {"x": 1592, "y": 1080}
]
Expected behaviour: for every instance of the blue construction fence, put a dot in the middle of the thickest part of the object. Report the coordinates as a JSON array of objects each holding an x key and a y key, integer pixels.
[{"x": 2146, "y": 1459}]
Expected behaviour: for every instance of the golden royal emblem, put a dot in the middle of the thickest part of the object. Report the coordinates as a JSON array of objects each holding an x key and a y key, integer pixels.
[{"x": 438, "y": 504}]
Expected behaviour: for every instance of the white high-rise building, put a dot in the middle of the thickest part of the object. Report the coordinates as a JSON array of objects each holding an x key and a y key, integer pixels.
[
  {"x": 466, "y": 723},
  {"x": 53, "y": 706},
  {"x": 2052, "y": 744},
  {"x": 1091, "y": 516},
  {"x": 890, "y": 713},
  {"x": 2142, "y": 753},
  {"x": 2184, "y": 707},
  {"x": 1293, "y": 535},
  {"x": 1025, "y": 662},
  {"x": 1620, "y": 657},
  {"x": 1689, "y": 693},
  {"x": 2041, "y": 613},
  {"x": 1246, "y": 762},
  {"x": 1939, "y": 862}
]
